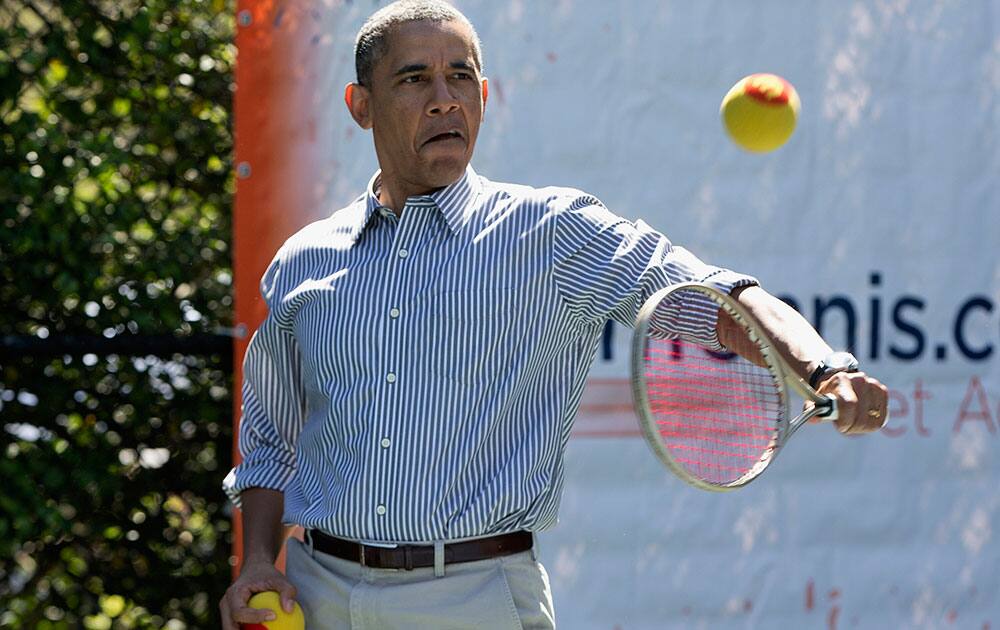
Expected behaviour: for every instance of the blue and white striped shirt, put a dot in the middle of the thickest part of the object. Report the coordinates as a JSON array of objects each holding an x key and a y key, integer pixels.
[{"x": 416, "y": 378}]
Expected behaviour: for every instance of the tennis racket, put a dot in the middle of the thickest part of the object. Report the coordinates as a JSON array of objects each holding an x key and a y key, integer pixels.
[{"x": 716, "y": 420}]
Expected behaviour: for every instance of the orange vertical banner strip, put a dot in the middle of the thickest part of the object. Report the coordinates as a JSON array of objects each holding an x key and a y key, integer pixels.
[{"x": 275, "y": 121}]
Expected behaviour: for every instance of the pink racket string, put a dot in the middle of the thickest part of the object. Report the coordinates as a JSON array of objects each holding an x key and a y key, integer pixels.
[{"x": 716, "y": 416}]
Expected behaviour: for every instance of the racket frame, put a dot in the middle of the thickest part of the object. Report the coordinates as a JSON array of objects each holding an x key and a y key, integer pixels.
[{"x": 823, "y": 406}]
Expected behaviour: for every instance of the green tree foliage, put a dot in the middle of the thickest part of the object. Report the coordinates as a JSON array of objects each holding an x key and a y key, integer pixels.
[{"x": 115, "y": 197}]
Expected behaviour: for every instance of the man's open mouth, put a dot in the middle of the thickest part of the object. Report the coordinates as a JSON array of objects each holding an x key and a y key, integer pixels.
[{"x": 448, "y": 135}]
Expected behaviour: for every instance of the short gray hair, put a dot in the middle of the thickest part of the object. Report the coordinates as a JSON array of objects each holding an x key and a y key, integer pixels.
[{"x": 372, "y": 41}]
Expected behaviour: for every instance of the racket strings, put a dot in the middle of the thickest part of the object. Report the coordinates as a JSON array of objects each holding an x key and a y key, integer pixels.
[
  {"x": 697, "y": 397},
  {"x": 716, "y": 416},
  {"x": 724, "y": 374}
]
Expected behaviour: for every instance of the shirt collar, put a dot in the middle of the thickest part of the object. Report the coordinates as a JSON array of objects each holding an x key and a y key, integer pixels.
[{"x": 455, "y": 201}]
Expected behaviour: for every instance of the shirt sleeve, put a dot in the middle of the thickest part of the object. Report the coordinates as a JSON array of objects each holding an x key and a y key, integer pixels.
[
  {"x": 273, "y": 409},
  {"x": 606, "y": 267}
]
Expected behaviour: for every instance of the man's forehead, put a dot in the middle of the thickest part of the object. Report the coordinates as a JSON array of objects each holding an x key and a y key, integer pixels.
[{"x": 425, "y": 41}]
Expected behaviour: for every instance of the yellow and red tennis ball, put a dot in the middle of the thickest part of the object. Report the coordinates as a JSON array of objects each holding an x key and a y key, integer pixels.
[
  {"x": 760, "y": 112},
  {"x": 294, "y": 620}
]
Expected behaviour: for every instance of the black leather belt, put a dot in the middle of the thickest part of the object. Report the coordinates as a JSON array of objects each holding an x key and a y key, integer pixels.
[{"x": 417, "y": 556}]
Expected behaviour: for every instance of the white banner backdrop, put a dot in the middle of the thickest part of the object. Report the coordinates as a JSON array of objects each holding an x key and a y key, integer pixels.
[{"x": 880, "y": 220}]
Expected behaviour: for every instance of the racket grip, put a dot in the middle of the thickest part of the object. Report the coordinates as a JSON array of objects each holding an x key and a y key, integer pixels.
[{"x": 828, "y": 411}]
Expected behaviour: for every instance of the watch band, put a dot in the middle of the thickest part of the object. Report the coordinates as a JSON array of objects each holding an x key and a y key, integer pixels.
[
  {"x": 820, "y": 370},
  {"x": 833, "y": 363}
]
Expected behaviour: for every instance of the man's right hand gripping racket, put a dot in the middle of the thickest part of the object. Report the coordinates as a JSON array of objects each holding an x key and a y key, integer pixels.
[{"x": 716, "y": 421}]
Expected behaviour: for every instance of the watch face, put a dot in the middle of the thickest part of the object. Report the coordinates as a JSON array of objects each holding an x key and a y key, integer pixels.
[{"x": 841, "y": 361}]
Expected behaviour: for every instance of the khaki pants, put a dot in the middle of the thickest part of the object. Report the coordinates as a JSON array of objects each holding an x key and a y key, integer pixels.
[{"x": 508, "y": 592}]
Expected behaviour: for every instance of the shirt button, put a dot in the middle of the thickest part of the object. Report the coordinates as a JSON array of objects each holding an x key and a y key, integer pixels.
[
  {"x": 403, "y": 253},
  {"x": 380, "y": 510},
  {"x": 390, "y": 377},
  {"x": 385, "y": 442},
  {"x": 394, "y": 313}
]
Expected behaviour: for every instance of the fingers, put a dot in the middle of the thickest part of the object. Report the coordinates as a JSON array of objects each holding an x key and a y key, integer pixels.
[
  {"x": 235, "y": 611},
  {"x": 862, "y": 402},
  {"x": 287, "y": 593},
  {"x": 226, "y": 615}
]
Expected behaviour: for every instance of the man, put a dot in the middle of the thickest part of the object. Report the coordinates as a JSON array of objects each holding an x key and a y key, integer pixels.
[{"x": 409, "y": 396}]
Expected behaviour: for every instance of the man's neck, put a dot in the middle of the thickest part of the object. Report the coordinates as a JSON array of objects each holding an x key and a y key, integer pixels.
[
  {"x": 392, "y": 193},
  {"x": 394, "y": 196},
  {"x": 391, "y": 201}
]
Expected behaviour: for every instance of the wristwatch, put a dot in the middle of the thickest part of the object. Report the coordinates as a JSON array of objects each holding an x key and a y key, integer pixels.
[{"x": 831, "y": 364}]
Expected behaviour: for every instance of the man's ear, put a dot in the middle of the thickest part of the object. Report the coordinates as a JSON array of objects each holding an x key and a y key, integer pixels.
[
  {"x": 356, "y": 97},
  {"x": 486, "y": 91}
]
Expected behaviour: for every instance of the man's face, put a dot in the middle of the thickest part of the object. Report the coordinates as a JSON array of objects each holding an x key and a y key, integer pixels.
[{"x": 425, "y": 105}]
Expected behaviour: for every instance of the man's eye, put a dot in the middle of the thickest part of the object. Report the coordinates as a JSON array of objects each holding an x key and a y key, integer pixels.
[
  {"x": 462, "y": 75},
  {"x": 412, "y": 79}
]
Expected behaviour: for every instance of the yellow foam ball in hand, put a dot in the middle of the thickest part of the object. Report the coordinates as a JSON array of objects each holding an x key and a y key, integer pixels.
[
  {"x": 294, "y": 620},
  {"x": 760, "y": 112}
]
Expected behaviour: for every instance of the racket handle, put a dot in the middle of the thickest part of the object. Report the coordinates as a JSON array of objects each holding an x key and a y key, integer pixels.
[{"x": 827, "y": 409}]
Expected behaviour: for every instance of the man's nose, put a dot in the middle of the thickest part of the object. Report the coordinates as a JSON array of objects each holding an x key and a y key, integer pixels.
[{"x": 443, "y": 100}]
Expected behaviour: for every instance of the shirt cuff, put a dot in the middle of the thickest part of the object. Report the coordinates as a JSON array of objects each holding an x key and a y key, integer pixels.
[
  {"x": 724, "y": 281},
  {"x": 271, "y": 475}
]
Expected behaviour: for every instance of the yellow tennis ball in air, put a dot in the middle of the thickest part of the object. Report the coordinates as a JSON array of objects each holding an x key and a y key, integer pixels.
[
  {"x": 760, "y": 112},
  {"x": 294, "y": 620}
]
